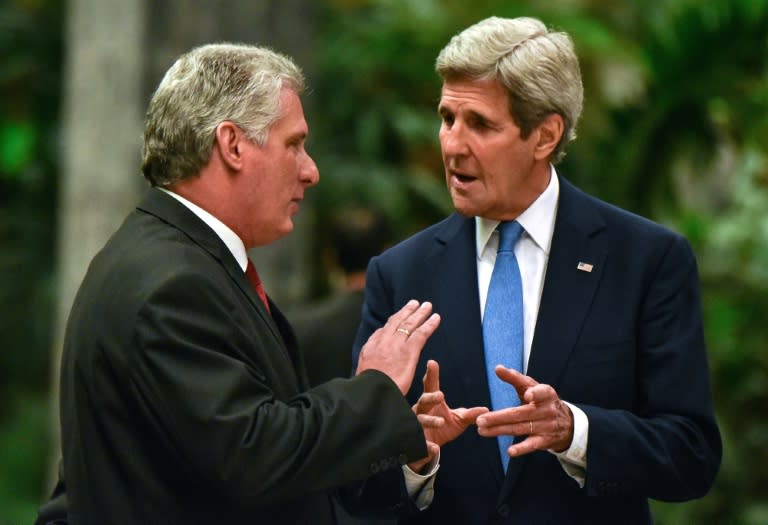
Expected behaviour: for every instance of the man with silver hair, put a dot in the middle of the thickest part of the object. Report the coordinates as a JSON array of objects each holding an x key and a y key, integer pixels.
[
  {"x": 584, "y": 336},
  {"x": 184, "y": 397}
]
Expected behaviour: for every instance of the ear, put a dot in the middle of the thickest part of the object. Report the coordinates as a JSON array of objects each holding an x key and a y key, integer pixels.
[
  {"x": 549, "y": 133},
  {"x": 227, "y": 143}
]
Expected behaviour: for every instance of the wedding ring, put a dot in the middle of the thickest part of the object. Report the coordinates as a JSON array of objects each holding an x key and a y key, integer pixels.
[
  {"x": 404, "y": 331},
  {"x": 531, "y": 424}
]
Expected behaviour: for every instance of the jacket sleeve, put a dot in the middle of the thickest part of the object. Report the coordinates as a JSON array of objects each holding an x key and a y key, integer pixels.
[
  {"x": 219, "y": 396},
  {"x": 669, "y": 447}
]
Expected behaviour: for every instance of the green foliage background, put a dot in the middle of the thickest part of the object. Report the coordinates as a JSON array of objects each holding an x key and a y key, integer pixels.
[{"x": 675, "y": 127}]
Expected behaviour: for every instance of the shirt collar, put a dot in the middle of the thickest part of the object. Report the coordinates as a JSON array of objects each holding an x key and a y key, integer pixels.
[
  {"x": 538, "y": 220},
  {"x": 225, "y": 233}
]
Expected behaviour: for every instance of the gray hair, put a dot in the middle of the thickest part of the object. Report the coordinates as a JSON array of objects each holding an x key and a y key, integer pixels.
[
  {"x": 538, "y": 68},
  {"x": 203, "y": 88}
]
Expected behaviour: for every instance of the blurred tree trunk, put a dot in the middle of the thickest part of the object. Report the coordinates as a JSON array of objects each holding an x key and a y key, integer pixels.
[
  {"x": 116, "y": 54},
  {"x": 100, "y": 149}
]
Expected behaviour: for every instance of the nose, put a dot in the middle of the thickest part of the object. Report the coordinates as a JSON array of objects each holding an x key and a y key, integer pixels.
[
  {"x": 452, "y": 141},
  {"x": 310, "y": 175}
]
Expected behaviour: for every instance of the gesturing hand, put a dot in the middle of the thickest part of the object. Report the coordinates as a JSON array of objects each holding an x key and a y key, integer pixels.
[
  {"x": 395, "y": 347},
  {"x": 441, "y": 423},
  {"x": 542, "y": 416}
]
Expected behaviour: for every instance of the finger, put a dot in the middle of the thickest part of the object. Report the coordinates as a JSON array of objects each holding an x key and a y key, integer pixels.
[
  {"x": 414, "y": 319},
  {"x": 507, "y": 416},
  {"x": 428, "y": 421},
  {"x": 528, "y": 445},
  {"x": 432, "y": 377},
  {"x": 540, "y": 394},
  {"x": 514, "y": 378},
  {"x": 419, "y": 336},
  {"x": 396, "y": 320},
  {"x": 520, "y": 381},
  {"x": 433, "y": 448},
  {"x": 521, "y": 428},
  {"x": 428, "y": 401},
  {"x": 470, "y": 415}
]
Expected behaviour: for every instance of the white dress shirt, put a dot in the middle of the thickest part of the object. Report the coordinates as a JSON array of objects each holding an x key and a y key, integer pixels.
[
  {"x": 532, "y": 253},
  {"x": 225, "y": 233}
]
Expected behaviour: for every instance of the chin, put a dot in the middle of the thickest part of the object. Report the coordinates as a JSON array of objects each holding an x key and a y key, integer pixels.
[
  {"x": 275, "y": 234},
  {"x": 463, "y": 208},
  {"x": 286, "y": 228}
]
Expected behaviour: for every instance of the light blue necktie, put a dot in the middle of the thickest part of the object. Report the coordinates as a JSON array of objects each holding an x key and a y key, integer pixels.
[{"x": 503, "y": 325}]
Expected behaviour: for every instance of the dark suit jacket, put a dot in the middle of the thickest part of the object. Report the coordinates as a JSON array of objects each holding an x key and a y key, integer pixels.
[
  {"x": 183, "y": 401},
  {"x": 623, "y": 342},
  {"x": 325, "y": 332}
]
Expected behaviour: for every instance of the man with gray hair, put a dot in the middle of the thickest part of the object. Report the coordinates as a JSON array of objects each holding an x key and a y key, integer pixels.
[
  {"x": 578, "y": 323},
  {"x": 184, "y": 397}
]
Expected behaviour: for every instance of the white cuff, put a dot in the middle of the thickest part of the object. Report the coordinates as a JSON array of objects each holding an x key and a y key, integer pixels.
[
  {"x": 574, "y": 458},
  {"x": 421, "y": 487}
]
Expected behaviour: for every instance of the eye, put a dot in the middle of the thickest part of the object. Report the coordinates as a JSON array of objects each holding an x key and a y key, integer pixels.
[
  {"x": 296, "y": 142},
  {"x": 447, "y": 119},
  {"x": 478, "y": 122}
]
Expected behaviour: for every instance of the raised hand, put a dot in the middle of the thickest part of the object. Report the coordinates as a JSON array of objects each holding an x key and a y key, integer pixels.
[
  {"x": 542, "y": 416},
  {"x": 395, "y": 347}
]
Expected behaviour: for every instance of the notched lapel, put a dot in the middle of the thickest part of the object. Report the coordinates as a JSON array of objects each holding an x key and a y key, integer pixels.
[
  {"x": 454, "y": 289},
  {"x": 565, "y": 301}
]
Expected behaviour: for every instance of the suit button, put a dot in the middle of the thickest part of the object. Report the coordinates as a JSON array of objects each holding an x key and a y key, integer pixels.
[{"x": 504, "y": 510}]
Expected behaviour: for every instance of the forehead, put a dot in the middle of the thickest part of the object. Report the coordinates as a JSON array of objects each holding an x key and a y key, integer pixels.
[
  {"x": 472, "y": 95},
  {"x": 291, "y": 118}
]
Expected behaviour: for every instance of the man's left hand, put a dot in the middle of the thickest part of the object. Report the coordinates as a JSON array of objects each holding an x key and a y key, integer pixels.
[{"x": 542, "y": 416}]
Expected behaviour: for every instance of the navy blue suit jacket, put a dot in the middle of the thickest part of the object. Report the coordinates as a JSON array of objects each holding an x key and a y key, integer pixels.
[{"x": 623, "y": 342}]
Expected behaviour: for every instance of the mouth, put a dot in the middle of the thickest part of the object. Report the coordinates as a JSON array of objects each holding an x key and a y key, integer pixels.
[
  {"x": 296, "y": 204},
  {"x": 460, "y": 179}
]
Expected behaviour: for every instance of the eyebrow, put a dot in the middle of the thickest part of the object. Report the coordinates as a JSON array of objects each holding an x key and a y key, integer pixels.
[
  {"x": 299, "y": 135},
  {"x": 470, "y": 113}
]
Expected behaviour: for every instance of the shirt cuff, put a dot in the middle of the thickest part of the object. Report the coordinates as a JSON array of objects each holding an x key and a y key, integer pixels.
[
  {"x": 421, "y": 487},
  {"x": 574, "y": 458}
]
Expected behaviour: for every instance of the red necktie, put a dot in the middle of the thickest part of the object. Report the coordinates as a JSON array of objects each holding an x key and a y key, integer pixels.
[{"x": 253, "y": 276}]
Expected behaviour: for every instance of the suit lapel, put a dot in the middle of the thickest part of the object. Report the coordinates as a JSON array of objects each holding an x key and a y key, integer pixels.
[
  {"x": 456, "y": 298},
  {"x": 171, "y": 211},
  {"x": 576, "y": 262}
]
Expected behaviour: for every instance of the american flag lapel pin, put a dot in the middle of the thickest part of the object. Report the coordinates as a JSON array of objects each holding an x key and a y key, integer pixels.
[{"x": 584, "y": 267}]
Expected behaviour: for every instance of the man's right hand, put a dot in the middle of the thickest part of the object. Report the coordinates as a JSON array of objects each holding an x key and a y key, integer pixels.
[
  {"x": 441, "y": 423},
  {"x": 395, "y": 347}
]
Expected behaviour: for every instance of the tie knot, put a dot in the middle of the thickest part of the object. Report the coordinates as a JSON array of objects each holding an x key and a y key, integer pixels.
[{"x": 509, "y": 233}]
